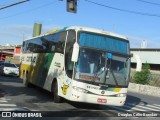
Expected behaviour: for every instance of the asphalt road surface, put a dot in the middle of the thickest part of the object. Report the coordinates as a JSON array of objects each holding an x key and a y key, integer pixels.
[{"x": 15, "y": 97}]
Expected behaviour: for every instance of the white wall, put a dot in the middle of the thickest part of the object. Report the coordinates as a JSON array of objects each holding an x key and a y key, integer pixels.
[{"x": 151, "y": 57}]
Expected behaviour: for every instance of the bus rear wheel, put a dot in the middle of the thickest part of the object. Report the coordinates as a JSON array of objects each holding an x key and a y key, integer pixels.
[{"x": 56, "y": 97}]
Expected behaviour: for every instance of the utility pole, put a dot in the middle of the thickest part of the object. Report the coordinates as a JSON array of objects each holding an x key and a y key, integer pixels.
[{"x": 16, "y": 3}]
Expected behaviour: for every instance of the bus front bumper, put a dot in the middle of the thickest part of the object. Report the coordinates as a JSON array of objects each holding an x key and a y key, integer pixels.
[{"x": 81, "y": 96}]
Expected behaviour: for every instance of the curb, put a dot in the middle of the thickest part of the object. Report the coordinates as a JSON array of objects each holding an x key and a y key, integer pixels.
[{"x": 144, "y": 89}]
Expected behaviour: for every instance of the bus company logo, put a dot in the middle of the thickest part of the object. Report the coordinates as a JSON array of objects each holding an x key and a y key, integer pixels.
[
  {"x": 57, "y": 64},
  {"x": 6, "y": 114},
  {"x": 31, "y": 59},
  {"x": 22, "y": 58},
  {"x": 103, "y": 92},
  {"x": 92, "y": 87},
  {"x": 64, "y": 88}
]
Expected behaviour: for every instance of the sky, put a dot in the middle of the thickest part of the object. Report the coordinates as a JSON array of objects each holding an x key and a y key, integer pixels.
[{"x": 138, "y": 20}]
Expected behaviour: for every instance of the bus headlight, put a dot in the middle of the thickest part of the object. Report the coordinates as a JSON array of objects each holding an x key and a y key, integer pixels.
[
  {"x": 80, "y": 89},
  {"x": 121, "y": 95}
]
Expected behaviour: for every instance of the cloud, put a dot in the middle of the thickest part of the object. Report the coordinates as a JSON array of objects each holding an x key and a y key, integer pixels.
[
  {"x": 135, "y": 42},
  {"x": 15, "y": 34}
]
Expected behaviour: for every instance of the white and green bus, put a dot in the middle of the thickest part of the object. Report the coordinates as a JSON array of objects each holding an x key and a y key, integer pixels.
[{"x": 79, "y": 64}]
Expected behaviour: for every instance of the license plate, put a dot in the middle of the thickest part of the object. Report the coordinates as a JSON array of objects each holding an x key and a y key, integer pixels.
[{"x": 101, "y": 100}]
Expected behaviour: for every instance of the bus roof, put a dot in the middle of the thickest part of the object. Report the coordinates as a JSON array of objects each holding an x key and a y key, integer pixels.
[
  {"x": 88, "y": 29},
  {"x": 79, "y": 28}
]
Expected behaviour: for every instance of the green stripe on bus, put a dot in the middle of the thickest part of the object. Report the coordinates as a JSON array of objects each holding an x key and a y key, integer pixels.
[{"x": 43, "y": 65}]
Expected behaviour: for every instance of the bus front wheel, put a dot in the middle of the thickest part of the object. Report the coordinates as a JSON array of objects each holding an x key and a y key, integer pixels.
[{"x": 56, "y": 97}]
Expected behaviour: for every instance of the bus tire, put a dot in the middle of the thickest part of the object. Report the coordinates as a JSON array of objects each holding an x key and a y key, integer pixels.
[{"x": 56, "y": 97}]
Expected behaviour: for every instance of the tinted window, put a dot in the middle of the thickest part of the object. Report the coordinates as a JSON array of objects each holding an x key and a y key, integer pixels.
[
  {"x": 69, "y": 48},
  {"x": 103, "y": 42},
  {"x": 50, "y": 43},
  {"x": 10, "y": 65}
]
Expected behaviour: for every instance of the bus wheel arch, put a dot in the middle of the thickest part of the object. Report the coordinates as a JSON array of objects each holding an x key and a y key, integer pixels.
[{"x": 54, "y": 91}]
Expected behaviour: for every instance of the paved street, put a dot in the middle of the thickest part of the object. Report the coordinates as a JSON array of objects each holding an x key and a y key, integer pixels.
[{"x": 19, "y": 98}]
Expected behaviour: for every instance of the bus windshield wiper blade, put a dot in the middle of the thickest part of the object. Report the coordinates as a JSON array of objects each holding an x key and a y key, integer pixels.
[{"x": 114, "y": 78}]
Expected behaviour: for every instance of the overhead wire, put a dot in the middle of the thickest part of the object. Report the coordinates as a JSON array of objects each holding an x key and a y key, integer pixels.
[
  {"x": 144, "y": 1},
  {"x": 29, "y": 10},
  {"x": 99, "y": 4},
  {"x": 123, "y": 10},
  {"x": 13, "y": 4}
]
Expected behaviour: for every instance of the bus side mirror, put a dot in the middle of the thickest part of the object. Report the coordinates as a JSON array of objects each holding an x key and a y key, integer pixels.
[{"x": 75, "y": 52}]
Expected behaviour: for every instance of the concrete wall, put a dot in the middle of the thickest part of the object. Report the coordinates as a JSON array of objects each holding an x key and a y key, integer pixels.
[
  {"x": 151, "y": 57},
  {"x": 144, "y": 89}
]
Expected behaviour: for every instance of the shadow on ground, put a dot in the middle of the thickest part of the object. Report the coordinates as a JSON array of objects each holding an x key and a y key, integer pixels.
[{"x": 12, "y": 86}]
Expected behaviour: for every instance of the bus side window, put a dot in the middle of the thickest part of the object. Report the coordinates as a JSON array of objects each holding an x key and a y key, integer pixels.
[
  {"x": 25, "y": 46},
  {"x": 68, "y": 53},
  {"x": 69, "y": 68},
  {"x": 61, "y": 42},
  {"x": 59, "y": 47},
  {"x": 29, "y": 48}
]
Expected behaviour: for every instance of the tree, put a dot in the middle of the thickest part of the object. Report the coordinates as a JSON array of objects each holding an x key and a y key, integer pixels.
[{"x": 143, "y": 76}]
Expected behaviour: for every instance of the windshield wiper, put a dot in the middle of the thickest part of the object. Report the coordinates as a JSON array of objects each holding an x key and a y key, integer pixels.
[
  {"x": 114, "y": 78},
  {"x": 105, "y": 76}
]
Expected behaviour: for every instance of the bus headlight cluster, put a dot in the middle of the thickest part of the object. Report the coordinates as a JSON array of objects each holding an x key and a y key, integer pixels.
[
  {"x": 80, "y": 89},
  {"x": 121, "y": 95}
]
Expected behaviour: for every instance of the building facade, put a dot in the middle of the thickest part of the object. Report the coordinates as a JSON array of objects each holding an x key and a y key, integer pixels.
[
  {"x": 146, "y": 55},
  {"x": 10, "y": 53}
]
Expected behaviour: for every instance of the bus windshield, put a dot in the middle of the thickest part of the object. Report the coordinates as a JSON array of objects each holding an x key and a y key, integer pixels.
[
  {"x": 101, "y": 67},
  {"x": 103, "y": 42},
  {"x": 103, "y": 60}
]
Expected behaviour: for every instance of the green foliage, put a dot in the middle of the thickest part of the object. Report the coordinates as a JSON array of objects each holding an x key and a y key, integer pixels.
[
  {"x": 143, "y": 76},
  {"x": 155, "y": 80}
]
